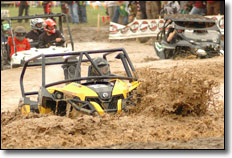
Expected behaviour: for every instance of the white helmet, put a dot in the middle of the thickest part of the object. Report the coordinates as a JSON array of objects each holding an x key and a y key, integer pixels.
[{"x": 36, "y": 21}]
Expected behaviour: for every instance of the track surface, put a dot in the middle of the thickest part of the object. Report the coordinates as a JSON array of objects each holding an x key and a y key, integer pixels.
[{"x": 180, "y": 105}]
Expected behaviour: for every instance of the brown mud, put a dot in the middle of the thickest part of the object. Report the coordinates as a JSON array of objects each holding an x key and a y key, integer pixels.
[{"x": 179, "y": 105}]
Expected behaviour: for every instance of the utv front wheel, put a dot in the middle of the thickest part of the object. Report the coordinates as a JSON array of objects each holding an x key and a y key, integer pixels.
[
  {"x": 168, "y": 53},
  {"x": 161, "y": 55}
]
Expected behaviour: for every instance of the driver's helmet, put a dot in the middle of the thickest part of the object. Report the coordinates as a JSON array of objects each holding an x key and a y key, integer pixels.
[
  {"x": 50, "y": 26},
  {"x": 103, "y": 66},
  {"x": 20, "y": 33},
  {"x": 37, "y": 24}
]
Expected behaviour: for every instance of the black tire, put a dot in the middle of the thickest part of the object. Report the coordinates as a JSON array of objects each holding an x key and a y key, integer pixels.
[{"x": 169, "y": 53}]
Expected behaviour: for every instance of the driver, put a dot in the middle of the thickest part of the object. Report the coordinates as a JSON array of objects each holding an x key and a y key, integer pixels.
[
  {"x": 51, "y": 35},
  {"x": 173, "y": 37},
  {"x": 103, "y": 66},
  {"x": 37, "y": 26}
]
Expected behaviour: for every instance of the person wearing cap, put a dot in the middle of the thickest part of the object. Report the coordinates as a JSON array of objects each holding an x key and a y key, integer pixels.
[
  {"x": 24, "y": 5},
  {"x": 102, "y": 65},
  {"x": 50, "y": 36},
  {"x": 37, "y": 26},
  {"x": 21, "y": 42}
]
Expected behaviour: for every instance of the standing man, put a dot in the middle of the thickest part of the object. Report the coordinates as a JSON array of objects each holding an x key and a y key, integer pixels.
[
  {"x": 121, "y": 13},
  {"x": 73, "y": 10},
  {"x": 47, "y": 7},
  {"x": 110, "y": 8},
  {"x": 24, "y": 5},
  {"x": 153, "y": 9},
  {"x": 137, "y": 9},
  {"x": 65, "y": 10},
  {"x": 198, "y": 8},
  {"x": 82, "y": 11}
]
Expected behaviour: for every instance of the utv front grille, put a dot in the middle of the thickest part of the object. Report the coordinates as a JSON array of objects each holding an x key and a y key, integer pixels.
[{"x": 113, "y": 102}]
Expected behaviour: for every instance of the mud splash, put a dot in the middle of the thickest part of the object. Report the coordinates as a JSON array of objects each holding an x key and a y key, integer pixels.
[{"x": 180, "y": 91}]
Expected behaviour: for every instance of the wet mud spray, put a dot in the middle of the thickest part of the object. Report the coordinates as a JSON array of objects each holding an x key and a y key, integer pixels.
[{"x": 175, "y": 108}]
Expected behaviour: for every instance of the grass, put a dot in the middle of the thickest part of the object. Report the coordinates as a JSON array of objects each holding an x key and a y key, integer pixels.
[{"x": 91, "y": 15}]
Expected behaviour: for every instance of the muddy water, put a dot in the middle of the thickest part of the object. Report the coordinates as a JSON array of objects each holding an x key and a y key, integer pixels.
[{"x": 179, "y": 105}]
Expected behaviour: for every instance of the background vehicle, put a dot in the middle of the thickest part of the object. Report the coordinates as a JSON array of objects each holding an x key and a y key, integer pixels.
[
  {"x": 200, "y": 36},
  {"x": 19, "y": 58},
  {"x": 88, "y": 93}
]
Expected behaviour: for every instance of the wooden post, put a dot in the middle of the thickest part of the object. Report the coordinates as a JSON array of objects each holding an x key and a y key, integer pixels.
[{"x": 98, "y": 22}]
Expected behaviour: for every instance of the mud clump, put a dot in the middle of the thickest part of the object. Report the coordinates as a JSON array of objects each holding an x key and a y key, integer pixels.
[{"x": 180, "y": 91}]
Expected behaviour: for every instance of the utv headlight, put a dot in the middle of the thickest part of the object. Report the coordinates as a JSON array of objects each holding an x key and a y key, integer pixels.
[
  {"x": 58, "y": 95},
  {"x": 105, "y": 95},
  {"x": 221, "y": 52},
  {"x": 192, "y": 41},
  {"x": 201, "y": 52}
]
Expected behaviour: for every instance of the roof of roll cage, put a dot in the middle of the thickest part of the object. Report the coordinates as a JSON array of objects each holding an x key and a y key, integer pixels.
[{"x": 187, "y": 18}]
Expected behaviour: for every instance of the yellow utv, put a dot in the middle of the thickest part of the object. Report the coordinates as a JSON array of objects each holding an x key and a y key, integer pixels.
[{"x": 97, "y": 92}]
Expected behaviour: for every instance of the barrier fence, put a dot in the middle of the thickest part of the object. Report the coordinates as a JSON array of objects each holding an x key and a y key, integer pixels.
[{"x": 147, "y": 28}]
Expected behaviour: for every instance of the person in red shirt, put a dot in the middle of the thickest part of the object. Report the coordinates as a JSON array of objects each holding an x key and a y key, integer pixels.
[
  {"x": 21, "y": 42},
  {"x": 199, "y": 7}
]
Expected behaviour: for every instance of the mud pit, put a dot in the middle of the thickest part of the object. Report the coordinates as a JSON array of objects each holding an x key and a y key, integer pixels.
[{"x": 180, "y": 105}]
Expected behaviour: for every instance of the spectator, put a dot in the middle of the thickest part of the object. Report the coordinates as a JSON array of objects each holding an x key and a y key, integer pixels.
[
  {"x": 82, "y": 11},
  {"x": 50, "y": 36},
  {"x": 133, "y": 9},
  {"x": 198, "y": 8},
  {"x": 24, "y": 5},
  {"x": 170, "y": 7},
  {"x": 124, "y": 12},
  {"x": 121, "y": 13},
  {"x": 110, "y": 8},
  {"x": 37, "y": 26},
  {"x": 65, "y": 10},
  {"x": 47, "y": 7},
  {"x": 185, "y": 7},
  {"x": 213, "y": 7},
  {"x": 137, "y": 9},
  {"x": 222, "y": 7},
  {"x": 73, "y": 10},
  {"x": 152, "y": 9},
  {"x": 142, "y": 9},
  {"x": 21, "y": 42}
]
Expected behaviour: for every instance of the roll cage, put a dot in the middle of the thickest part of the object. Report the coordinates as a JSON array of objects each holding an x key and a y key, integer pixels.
[
  {"x": 59, "y": 15},
  {"x": 180, "y": 20},
  {"x": 72, "y": 58}
]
